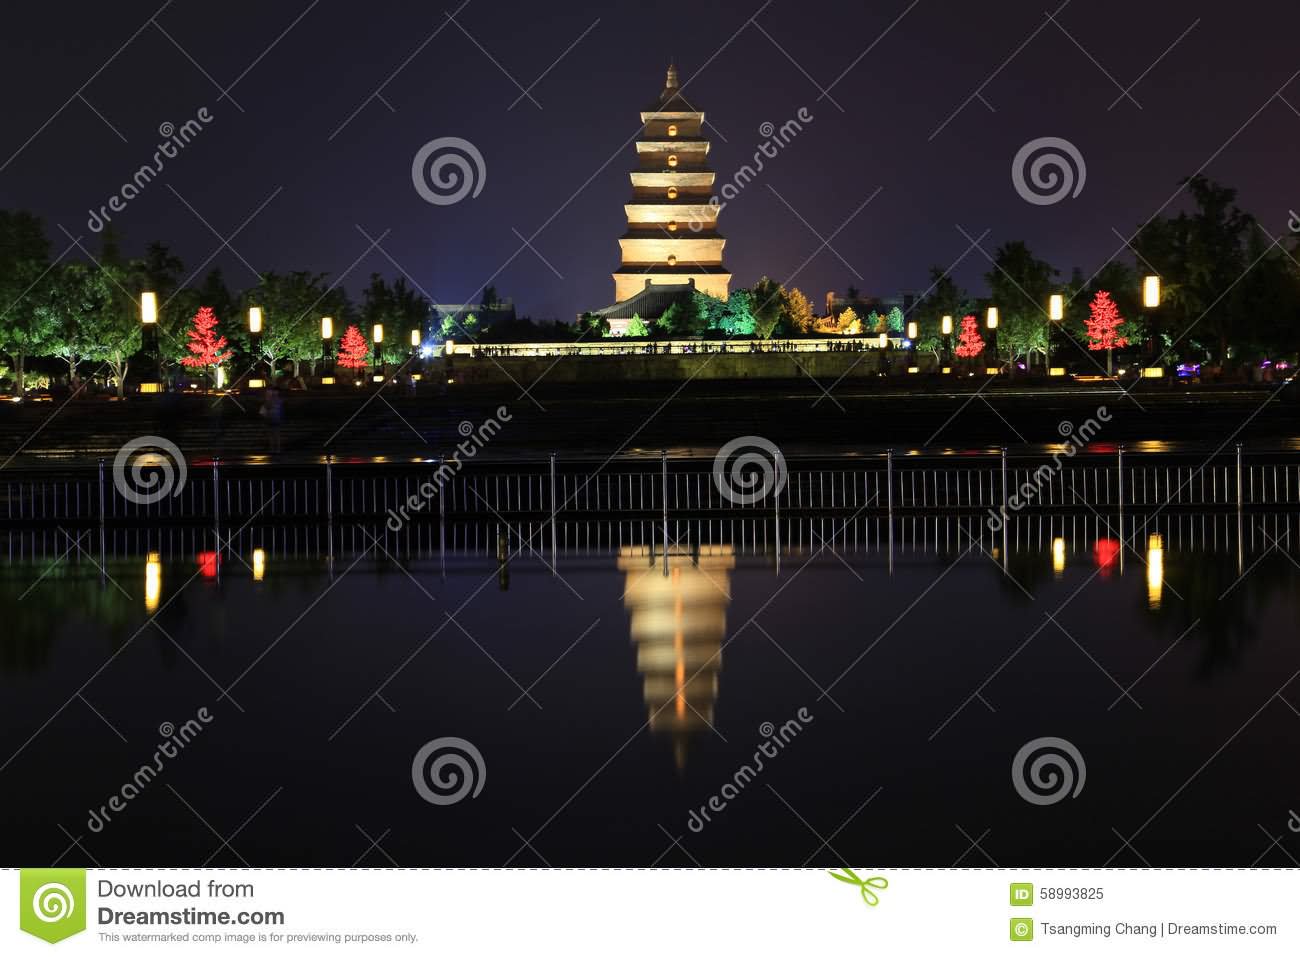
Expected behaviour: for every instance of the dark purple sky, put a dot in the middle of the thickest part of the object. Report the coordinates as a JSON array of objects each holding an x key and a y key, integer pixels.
[{"x": 563, "y": 168}]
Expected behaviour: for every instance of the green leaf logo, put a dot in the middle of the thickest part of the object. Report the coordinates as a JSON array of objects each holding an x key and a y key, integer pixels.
[{"x": 52, "y": 902}]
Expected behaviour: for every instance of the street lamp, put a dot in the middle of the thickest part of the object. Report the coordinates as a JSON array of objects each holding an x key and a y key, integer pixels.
[
  {"x": 1151, "y": 295},
  {"x": 255, "y": 341},
  {"x": 415, "y": 341},
  {"x": 377, "y": 337},
  {"x": 911, "y": 337},
  {"x": 945, "y": 326},
  {"x": 991, "y": 320},
  {"x": 884, "y": 355},
  {"x": 327, "y": 350},
  {"x": 1056, "y": 313},
  {"x": 149, "y": 337}
]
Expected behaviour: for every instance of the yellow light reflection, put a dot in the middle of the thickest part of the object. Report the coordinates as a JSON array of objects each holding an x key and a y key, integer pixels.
[
  {"x": 259, "y": 564},
  {"x": 1058, "y": 556},
  {"x": 152, "y": 582},
  {"x": 1155, "y": 571}
]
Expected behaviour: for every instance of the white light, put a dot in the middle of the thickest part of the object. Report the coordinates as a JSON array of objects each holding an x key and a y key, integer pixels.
[
  {"x": 326, "y": 327},
  {"x": 1151, "y": 292},
  {"x": 254, "y": 319},
  {"x": 947, "y": 325},
  {"x": 148, "y": 308},
  {"x": 1056, "y": 308},
  {"x": 993, "y": 317}
]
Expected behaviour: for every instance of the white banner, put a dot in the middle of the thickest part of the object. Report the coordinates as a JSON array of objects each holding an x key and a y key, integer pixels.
[{"x": 635, "y": 912}]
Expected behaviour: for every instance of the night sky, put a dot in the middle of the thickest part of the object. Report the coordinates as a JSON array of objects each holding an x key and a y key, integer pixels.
[{"x": 1214, "y": 102}]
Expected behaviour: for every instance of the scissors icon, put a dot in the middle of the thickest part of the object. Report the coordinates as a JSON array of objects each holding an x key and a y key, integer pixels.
[{"x": 865, "y": 886}]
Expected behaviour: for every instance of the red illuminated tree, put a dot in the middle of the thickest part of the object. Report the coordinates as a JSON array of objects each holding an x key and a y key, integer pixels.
[
  {"x": 353, "y": 349},
  {"x": 205, "y": 345},
  {"x": 969, "y": 342},
  {"x": 1103, "y": 326}
]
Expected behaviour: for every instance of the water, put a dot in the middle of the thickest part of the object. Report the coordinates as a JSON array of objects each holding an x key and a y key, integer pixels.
[{"x": 923, "y": 667}]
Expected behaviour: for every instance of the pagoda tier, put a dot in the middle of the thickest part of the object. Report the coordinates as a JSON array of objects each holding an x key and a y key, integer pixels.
[{"x": 672, "y": 229}]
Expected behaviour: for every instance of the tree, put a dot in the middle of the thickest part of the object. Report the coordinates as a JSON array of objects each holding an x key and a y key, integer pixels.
[
  {"x": 848, "y": 322},
  {"x": 26, "y": 329},
  {"x": 768, "y": 306},
  {"x": 1104, "y": 327},
  {"x": 354, "y": 352},
  {"x": 969, "y": 343},
  {"x": 75, "y": 299},
  {"x": 1201, "y": 256},
  {"x": 637, "y": 327},
  {"x": 292, "y": 305},
  {"x": 894, "y": 321},
  {"x": 800, "y": 312},
  {"x": 399, "y": 308},
  {"x": 590, "y": 325},
  {"x": 207, "y": 346},
  {"x": 1020, "y": 285}
]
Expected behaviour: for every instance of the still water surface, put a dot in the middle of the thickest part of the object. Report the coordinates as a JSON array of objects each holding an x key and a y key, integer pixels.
[{"x": 612, "y": 697}]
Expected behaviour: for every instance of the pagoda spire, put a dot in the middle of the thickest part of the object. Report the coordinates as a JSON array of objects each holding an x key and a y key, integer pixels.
[{"x": 671, "y": 84}]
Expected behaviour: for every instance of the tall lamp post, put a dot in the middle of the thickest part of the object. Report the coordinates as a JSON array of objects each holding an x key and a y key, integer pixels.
[
  {"x": 945, "y": 326},
  {"x": 884, "y": 353},
  {"x": 1056, "y": 313},
  {"x": 991, "y": 320},
  {"x": 377, "y": 337},
  {"x": 1151, "y": 293},
  {"x": 911, "y": 338},
  {"x": 255, "y": 381},
  {"x": 149, "y": 337},
  {"x": 327, "y": 350}
]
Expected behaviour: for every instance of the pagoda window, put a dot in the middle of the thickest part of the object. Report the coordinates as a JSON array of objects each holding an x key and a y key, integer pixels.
[
  {"x": 672, "y": 129},
  {"x": 672, "y": 160},
  {"x": 672, "y": 192}
]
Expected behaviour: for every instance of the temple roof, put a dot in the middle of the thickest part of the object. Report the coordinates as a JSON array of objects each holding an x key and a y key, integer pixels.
[
  {"x": 671, "y": 99},
  {"x": 650, "y": 303}
]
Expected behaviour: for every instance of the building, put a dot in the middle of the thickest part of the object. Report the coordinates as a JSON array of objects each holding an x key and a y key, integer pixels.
[{"x": 672, "y": 234}]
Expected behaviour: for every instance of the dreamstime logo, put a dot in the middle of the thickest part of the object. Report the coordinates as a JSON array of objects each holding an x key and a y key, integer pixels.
[
  {"x": 174, "y": 139},
  {"x": 1076, "y": 437},
  {"x": 173, "y": 741},
  {"x": 775, "y": 742},
  {"x": 749, "y": 469},
  {"x": 134, "y": 484},
  {"x": 448, "y": 169},
  {"x": 775, "y": 139},
  {"x": 447, "y": 770},
  {"x": 1047, "y": 170},
  {"x": 1047, "y": 771},
  {"x": 474, "y": 438},
  {"x": 52, "y": 902}
]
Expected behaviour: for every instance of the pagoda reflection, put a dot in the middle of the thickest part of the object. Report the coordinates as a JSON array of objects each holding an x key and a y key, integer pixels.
[{"x": 678, "y": 607}]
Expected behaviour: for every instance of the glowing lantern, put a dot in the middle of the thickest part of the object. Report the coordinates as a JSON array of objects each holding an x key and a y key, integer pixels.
[{"x": 1151, "y": 292}]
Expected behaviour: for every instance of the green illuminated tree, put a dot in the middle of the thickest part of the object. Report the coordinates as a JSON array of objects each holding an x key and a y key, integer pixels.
[
  {"x": 637, "y": 327},
  {"x": 26, "y": 329}
]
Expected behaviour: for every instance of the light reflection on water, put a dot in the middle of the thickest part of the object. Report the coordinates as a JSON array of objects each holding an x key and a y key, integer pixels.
[{"x": 920, "y": 648}]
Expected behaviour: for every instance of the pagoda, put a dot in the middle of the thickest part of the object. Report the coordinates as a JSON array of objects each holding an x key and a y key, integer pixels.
[{"x": 672, "y": 229}]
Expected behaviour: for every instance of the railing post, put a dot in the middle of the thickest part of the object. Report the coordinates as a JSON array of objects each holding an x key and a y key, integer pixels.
[
  {"x": 101, "y": 493},
  {"x": 1119, "y": 455},
  {"x": 216, "y": 511},
  {"x": 554, "y": 509},
  {"x": 1240, "y": 499},
  {"x": 663, "y": 459},
  {"x": 889, "y": 503}
]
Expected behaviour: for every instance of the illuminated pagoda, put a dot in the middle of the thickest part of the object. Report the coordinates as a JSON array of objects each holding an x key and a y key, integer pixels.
[
  {"x": 678, "y": 623},
  {"x": 672, "y": 240}
]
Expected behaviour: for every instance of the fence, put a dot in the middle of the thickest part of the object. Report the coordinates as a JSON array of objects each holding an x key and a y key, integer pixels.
[{"x": 424, "y": 491}]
